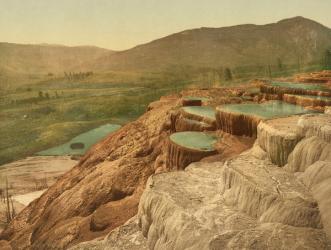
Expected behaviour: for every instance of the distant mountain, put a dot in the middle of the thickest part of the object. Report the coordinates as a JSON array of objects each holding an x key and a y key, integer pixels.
[
  {"x": 292, "y": 41},
  {"x": 45, "y": 58}
]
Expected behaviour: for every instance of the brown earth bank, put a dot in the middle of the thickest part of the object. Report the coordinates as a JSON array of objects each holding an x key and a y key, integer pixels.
[{"x": 103, "y": 190}]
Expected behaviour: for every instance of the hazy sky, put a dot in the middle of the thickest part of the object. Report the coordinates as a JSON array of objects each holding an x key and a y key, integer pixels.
[{"x": 121, "y": 24}]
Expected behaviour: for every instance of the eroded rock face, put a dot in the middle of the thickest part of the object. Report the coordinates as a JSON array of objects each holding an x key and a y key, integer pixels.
[
  {"x": 100, "y": 193},
  {"x": 316, "y": 145},
  {"x": 317, "y": 178},
  {"x": 230, "y": 205},
  {"x": 197, "y": 209},
  {"x": 278, "y": 137},
  {"x": 237, "y": 124}
]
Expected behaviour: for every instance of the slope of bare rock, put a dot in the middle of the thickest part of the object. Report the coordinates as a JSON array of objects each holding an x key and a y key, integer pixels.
[
  {"x": 315, "y": 125},
  {"x": 264, "y": 191},
  {"x": 197, "y": 209},
  {"x": 100, "y": 193},
  {"x": 316, "y": 146},
  {"x": 127, "y": 236},
  {"x": 307, "y": 152},
  {"x": 306, "y": 100},
  {"x": 318, "y": 178},
  {"x": 278, "y": 138},
  {"x": 236, "y": 124}
]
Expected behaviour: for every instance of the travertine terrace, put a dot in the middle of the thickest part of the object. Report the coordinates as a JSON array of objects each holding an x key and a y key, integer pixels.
[{"x": 139, "y": 189}]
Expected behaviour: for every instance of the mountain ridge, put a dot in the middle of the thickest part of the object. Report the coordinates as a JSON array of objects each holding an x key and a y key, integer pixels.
[{"x": 294, "y": 41}]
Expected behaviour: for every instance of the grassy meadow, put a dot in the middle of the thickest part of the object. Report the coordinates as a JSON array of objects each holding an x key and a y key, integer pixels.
[{"x": 36, "y": 116}]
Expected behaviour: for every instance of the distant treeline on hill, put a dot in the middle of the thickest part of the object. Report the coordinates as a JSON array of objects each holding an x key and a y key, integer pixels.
[{"x": 77, "y": 76}]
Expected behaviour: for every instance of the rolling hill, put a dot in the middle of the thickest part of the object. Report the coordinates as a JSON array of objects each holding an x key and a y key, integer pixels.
[
  {"x": 291, "y": 41},
  {"x": 44, "y": 58},
  {"x": 296, "y": 41}
]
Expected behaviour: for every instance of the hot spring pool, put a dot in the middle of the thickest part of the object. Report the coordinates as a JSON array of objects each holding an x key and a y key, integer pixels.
[
  {"x": 268, "y": 110},
  {"x": 194, "y": 140}
]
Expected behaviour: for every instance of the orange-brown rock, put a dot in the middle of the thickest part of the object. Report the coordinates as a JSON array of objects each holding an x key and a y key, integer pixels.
[
  {"x": 99, "y": 193},
  {"x": 237, "y": 124},
  {"x": 306, "y": 100},
  {"x": 269, "y": 89}
]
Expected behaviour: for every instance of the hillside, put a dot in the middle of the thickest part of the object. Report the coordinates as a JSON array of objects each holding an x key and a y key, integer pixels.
[
  {"x": 44, "y": 58},
  {"x": 296, "y": 41},
  {"x": 291, "y": 43}
]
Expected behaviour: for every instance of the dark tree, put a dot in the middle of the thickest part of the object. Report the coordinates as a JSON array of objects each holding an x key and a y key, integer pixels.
[
  {"x": 280, "y": 64},
  {"x": 40, "y": 94},
  {"x": 327, "y": 59},
  {"x": 228, "y": 74}
]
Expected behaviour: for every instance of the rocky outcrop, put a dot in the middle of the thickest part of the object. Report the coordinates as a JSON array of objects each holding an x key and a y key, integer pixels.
[
  {"x": 215, "y": 206},
  {"x": 236, "y": 123},
  {"x": 278, "y": 137},
  {"x": 306, "y": 100}
]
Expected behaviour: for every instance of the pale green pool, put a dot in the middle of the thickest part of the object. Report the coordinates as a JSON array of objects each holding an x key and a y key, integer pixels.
[
  {"x": 300, "y": 86},
  {"x": 88, "y": 139},
  {"x": 195, "y": 140},
  {"x": 204, "y": 111},
  {"x": 272, "y": 109}
]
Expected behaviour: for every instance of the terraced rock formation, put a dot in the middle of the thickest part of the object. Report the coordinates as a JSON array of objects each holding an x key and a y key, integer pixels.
[
  {"x": 187, "y": 147},
  {"x": 281, "y": 88},
  {"x": 307, "y": 100},
  {"x": 194, "y": 118},
  {"x": 248, "y": 202},
  {"x": 242, "y": 119}
]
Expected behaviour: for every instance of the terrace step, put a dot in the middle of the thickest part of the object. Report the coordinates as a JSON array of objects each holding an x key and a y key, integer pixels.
[
  {"x": 215, "y": 206},
  {"x": 186, "y": 147},
  {"x": 242, "y": 119}
]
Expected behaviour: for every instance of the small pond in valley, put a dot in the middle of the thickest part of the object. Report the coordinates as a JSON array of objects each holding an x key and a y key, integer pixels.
[{"x": 81, "y": 143}]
